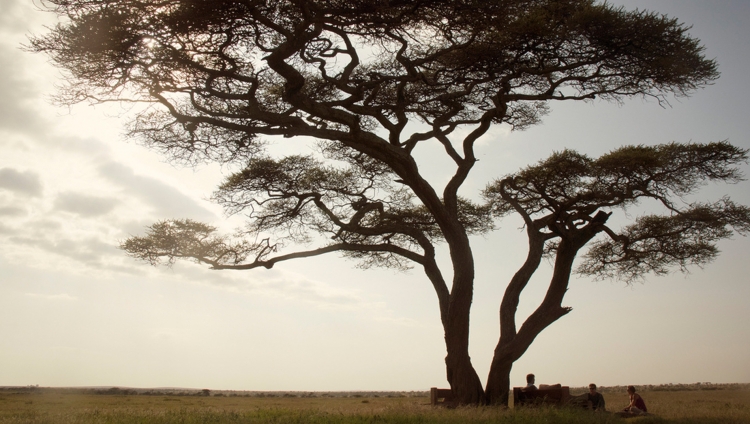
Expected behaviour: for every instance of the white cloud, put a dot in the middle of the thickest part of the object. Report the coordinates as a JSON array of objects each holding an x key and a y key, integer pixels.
[
  {"x": 12, "y": 211},
  {"x": 17, "y": 113},
  {"x": 22, "y": 182},
  {"x": 166, "y": 201},
  {"x": 274, "y": 283},
  {"x": 4, "y": 229},
  {"x": 14, "y": 16},
  {"x": 61, "y": 296},
  {"x": 85, "y": 205},
  {"x": 89, "y": 251}
]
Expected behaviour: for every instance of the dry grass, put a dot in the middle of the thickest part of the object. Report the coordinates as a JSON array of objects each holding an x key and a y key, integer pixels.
[
  {"x": 694, "y": 406},
  {"x": 68, "y": 407}
]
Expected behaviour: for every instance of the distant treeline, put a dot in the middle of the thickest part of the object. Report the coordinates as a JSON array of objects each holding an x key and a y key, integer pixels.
[
  {"x": 352, "y": 394},
  {"x": 206, "y": 392},
  {"x": 671, "y": 387}
]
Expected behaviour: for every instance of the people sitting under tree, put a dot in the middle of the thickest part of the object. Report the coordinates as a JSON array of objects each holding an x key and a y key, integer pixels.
[
  {"x": 595, "y": 400},
  {"x": 545, "y": 393},
  {"x": 637, "y": 406}
]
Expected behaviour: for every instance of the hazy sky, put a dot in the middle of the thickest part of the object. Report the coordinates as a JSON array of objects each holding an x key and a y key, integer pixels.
[{"x": 74, "y": 310}]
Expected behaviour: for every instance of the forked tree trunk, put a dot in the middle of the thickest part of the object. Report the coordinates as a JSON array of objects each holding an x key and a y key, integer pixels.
[
  {"x": 512, "y": 344},
  {"x": 508, "y": 350}
]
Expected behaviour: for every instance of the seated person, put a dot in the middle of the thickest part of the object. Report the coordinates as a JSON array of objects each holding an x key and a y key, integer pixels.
[
  {"x": 595, "y": 399},
  {"x": 530, "y": 382},
  {"x": 637, "y": 405}
]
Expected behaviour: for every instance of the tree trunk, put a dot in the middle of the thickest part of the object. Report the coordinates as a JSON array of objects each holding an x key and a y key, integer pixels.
[
  {"x": 464, "y": 381},
  {"x": 465, "y": 384},
  {"x": 498, "y": 382}
]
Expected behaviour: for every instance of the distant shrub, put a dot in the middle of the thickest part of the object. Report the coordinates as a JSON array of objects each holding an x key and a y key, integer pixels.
[{"x": 116, "y": 391}]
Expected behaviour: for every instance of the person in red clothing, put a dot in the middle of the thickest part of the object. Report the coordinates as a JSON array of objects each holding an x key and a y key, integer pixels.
[{"x": 637, "y": 405}]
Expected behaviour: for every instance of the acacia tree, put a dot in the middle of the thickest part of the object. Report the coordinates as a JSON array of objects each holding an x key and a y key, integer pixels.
[
  {"x": 370, "y": 81},
  {"x": 566, "y": 201}
]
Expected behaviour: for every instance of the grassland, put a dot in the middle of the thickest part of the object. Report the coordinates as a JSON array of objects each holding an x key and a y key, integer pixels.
[{"x": 729, "y": 404}]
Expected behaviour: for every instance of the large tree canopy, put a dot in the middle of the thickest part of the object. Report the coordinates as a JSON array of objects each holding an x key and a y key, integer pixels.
[{"x": 370, "y": 81}]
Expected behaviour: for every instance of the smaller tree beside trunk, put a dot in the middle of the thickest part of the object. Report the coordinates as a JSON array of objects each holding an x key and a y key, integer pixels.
[{"x": 566, "y": 202}]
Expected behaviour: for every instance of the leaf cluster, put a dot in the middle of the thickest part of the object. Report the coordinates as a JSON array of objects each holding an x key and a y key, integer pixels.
[
  {"x": 570, "y": 194},
  {"x": 223, "y": 72},
  {"x": 658, "y": 243},
  {"x": 356, "y": 204},
  {"x": 187, "y": 239}
]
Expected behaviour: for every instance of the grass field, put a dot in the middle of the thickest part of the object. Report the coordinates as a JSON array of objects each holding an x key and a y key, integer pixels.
[{"x": 68, "y": 406}]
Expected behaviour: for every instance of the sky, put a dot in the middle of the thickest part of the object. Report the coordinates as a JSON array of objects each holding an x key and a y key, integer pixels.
[{"x": 76, "y": 311}]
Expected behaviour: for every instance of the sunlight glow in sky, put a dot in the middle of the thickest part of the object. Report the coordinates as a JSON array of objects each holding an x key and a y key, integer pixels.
[{"x": 76, "y": 311}]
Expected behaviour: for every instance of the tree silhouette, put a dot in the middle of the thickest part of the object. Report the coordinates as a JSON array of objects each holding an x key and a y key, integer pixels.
[
  {"x": 566, "y": 201},
  {"x": 369, "y": 81}
]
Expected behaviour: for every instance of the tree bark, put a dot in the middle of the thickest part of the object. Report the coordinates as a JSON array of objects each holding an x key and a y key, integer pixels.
[
  {"x": 463, "y": 378},
  {"x": 498, "y": 382},
  {"x": 464, "y": 381}
]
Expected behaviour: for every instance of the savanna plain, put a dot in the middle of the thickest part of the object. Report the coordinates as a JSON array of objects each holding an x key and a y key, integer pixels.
[{"x": 681, "y": 404}]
